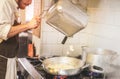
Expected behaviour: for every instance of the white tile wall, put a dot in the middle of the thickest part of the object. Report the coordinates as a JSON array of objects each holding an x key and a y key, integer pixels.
[
  {"x": 102, "y": 30},
  {"x": 106, "y": 24}
]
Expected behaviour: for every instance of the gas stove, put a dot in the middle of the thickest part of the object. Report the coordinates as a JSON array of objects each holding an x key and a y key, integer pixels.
[
  {"x": 33, "y": 67},
  {"x": 84, "y": 74}
]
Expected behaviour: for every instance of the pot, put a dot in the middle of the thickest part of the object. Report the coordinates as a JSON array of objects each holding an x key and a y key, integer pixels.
[
  {"x": 99, "y": 57},
  {"x": 63, "y": 65},
  {"x": 66, "y": 17}
]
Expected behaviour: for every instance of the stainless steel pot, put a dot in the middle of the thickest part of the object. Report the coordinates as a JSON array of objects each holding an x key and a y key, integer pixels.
[
  {"x": 63, "y": 65},
  {"x": 99, "y": 57},
  {"x": 67, "y": 17}
]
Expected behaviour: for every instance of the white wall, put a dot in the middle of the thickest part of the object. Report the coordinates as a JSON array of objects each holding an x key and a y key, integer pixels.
[
  {"x": 102, "y": 31},
  {"x": 105, "y": 23}
]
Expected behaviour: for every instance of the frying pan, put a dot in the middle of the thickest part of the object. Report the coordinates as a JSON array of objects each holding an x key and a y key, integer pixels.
[{"x": 63, "y": 65}]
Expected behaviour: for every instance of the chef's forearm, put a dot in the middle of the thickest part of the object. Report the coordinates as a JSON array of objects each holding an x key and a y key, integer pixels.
[
  {"x": 34, "y": 23},
  {"x": 17, "y": 29}
]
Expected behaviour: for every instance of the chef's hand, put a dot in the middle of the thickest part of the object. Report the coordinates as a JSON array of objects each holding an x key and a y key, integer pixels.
[{"x": 34, "y": 23}]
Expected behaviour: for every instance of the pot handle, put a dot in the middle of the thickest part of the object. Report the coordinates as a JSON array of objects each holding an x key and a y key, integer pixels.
[
  {"x": 97, "y": 69},
  {"x": 64, "y": 40}
]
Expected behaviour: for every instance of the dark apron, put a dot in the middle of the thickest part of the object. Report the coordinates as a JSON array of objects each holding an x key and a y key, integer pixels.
[{"x": 9, "y": 49}]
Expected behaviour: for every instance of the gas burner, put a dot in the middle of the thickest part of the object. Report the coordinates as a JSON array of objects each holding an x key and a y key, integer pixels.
[{"x": 60, "y": 77}]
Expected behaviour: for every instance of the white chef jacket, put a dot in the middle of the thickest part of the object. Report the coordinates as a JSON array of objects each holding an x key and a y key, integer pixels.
[{"x": 8, "y": 14}]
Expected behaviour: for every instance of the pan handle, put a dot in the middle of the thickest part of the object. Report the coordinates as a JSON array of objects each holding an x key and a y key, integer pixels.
[
  {"x": 85, "y": 66},
  {"x": 42, "y": 63},
  {"x": 40, "y": 60}
]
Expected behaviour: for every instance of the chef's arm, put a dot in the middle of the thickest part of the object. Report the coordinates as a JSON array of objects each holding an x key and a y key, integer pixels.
[
  {"x": 17, "y": 29},
  {"x": 34, "y": 23}
]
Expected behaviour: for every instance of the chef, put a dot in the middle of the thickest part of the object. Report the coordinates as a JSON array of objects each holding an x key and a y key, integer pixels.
[{"x": 9, "y": 30}]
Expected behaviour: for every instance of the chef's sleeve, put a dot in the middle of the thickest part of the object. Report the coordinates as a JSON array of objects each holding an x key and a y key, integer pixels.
[{"x": 5, "y": 22}]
